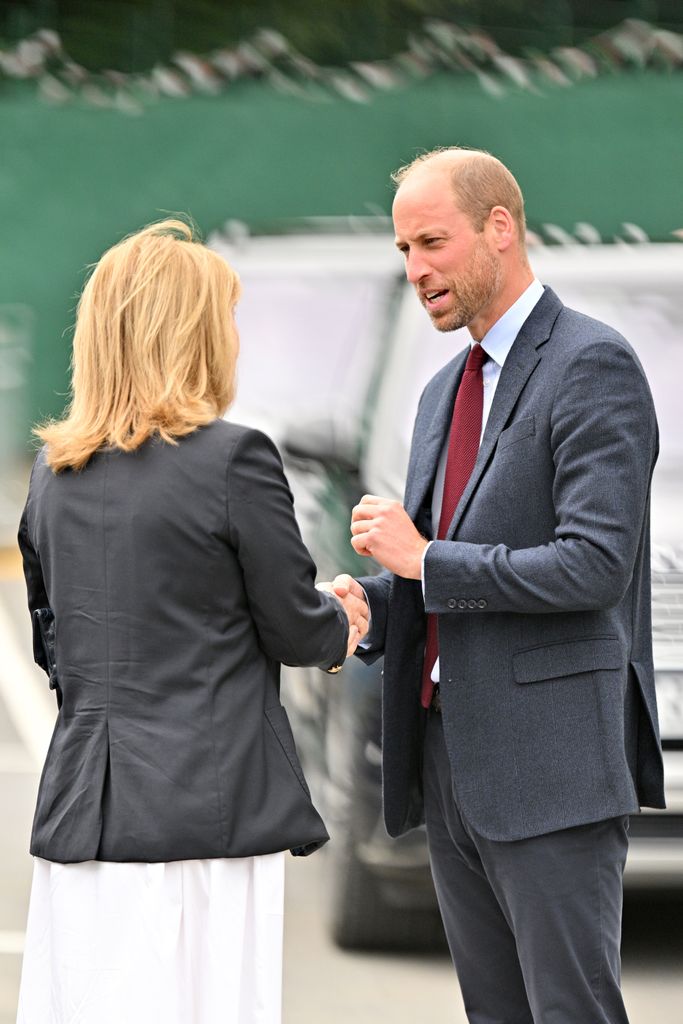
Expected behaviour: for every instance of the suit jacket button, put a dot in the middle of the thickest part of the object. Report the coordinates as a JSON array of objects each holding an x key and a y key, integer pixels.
[
  {"x": 481, "y": 603},
  {"x": 471, "y": 603},
  {"x": 451, "y": 602},
  {"x": 462, "y": 603}
]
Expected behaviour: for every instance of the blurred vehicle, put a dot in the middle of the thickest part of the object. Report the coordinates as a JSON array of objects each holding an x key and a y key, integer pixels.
[{"x": 348, "y": 351}]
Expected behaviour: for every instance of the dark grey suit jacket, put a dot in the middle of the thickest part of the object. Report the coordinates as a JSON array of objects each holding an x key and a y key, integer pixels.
[
  {"x": 542, "y": 589},
  {"x": 179, "y": 582}
]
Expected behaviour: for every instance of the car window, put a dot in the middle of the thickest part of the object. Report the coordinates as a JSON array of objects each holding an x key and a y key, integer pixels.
[
  {"x": 311, "y": 318},
  {"x": 636, "y": 290}
]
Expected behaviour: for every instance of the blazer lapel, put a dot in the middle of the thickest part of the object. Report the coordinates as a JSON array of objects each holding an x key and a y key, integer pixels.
[
  {"x": 519, "y": 365},
  {"x": 425, "y": 456}
]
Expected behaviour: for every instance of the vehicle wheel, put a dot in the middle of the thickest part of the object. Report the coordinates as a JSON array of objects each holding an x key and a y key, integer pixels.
[{"x": 361, "y": 917}]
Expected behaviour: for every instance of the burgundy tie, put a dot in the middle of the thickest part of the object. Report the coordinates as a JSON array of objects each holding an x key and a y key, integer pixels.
[{"x": 463, "y": 446}]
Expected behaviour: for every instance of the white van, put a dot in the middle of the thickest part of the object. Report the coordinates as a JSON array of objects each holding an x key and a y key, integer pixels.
[{"x": 335, "y": 352}]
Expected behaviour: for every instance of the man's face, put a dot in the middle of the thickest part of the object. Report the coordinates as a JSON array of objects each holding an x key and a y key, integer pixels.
[{"x": 454, "y": 270}]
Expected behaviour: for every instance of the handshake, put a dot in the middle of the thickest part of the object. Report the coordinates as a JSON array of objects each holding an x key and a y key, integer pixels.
[
  {"x": 381, "y": 529},
  {"x": 351, "y": 596}
]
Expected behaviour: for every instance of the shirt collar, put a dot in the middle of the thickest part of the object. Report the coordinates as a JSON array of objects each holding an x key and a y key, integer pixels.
[{"x": 500, "y": 338}]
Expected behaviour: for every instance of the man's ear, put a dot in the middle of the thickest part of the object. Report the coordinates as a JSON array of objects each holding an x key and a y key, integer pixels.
[{"x": 501, "y": 228}]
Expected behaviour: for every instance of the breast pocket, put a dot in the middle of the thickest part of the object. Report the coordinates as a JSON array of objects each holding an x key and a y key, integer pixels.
[{"x": 517, "y": 431}]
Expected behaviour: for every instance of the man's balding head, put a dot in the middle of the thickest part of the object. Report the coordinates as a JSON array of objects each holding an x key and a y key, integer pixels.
[
  {"x": 459, "y": 222},
  {"x": 479, "y": 182}
]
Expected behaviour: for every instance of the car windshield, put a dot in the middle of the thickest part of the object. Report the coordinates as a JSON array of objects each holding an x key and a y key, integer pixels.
[
  {"x": 312, "y": 314},
  {"x": 637, "y": 291}
]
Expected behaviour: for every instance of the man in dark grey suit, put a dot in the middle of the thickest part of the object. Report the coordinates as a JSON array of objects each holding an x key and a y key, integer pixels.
[{"x": 520, "y": 718}]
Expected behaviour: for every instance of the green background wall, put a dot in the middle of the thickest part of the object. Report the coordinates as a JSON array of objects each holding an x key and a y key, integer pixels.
[{"x": 74, "y": 179}]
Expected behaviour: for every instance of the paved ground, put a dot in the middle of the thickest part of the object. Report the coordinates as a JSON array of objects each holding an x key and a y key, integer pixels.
[{"x": 322, "y": 984}]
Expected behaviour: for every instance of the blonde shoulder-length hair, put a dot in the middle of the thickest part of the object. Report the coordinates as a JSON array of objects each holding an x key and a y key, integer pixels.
[{"x": 155, "y": 346}]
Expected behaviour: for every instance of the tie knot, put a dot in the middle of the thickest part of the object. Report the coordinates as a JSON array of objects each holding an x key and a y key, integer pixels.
[{"x": 476, "y": 358}]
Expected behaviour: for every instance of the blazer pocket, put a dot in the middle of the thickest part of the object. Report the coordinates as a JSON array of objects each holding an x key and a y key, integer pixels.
[
  {"x": 279, "y": 723},
  {"x": 567, "y": 658},
  {"x": 517, "y": 432}
]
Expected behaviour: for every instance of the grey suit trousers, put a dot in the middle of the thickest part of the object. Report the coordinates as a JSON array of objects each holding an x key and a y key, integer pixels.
[{"x": 534, "y": 926}]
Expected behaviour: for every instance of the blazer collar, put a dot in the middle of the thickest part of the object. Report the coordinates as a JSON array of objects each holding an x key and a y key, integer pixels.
[{"x": 520, "y": 363}]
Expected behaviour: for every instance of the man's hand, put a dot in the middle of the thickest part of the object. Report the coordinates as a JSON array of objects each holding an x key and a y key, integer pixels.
[
  {"x": 344, "y": 584},
  {"x": 383, "y": 529},
  {"x": 351, "y": 596}
]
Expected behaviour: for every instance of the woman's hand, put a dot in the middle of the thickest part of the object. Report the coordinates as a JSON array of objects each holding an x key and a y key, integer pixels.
[{"x": 351, "y": 597}]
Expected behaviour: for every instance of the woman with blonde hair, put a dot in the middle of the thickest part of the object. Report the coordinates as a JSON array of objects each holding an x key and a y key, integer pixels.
[{"x": 167, "y": 581}]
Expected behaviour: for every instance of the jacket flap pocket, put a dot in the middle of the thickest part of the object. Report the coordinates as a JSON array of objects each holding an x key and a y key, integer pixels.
[
  {"x": 517, "y": 431},
  {"x": 279, "y": 723},
  {"x": 567, "y": 658}
]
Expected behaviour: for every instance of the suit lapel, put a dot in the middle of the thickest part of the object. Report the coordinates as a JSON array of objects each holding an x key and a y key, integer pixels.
[
  {"x": 425, "y": 456},
  {"x": 522, "y": 360}
]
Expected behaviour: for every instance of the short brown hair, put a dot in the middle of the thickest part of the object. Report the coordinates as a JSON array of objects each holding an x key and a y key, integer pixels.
[{"x": 480, "y": 182}]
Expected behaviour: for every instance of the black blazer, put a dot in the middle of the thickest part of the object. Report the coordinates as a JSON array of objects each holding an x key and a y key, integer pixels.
[{"x": 179, "y": 582}]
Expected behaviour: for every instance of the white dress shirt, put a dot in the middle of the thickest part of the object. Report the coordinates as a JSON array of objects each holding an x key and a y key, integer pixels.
[{"x": 497, "y": 343}]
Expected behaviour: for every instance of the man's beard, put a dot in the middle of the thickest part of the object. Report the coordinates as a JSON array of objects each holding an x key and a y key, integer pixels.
[{"x": 472, "y": 291}]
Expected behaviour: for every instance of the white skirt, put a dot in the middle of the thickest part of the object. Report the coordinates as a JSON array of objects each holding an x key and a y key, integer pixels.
[{"x": 188, "y": 942}]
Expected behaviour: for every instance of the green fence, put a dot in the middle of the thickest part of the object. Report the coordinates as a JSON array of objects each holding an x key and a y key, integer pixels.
[{"x": 74, "y": 179}]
